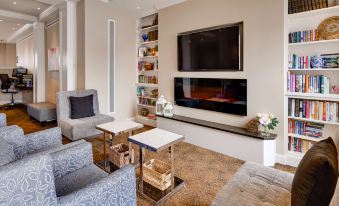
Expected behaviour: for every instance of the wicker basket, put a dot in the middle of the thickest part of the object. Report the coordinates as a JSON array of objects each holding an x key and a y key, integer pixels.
[
  {"x": 120, "y": 156},
  {"x": 157, "y": 174}
]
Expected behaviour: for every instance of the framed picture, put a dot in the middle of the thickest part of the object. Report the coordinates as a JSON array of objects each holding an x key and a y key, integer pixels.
[
  {"x": 142, "y": 51},
  {"x": 53, "y": 59}
]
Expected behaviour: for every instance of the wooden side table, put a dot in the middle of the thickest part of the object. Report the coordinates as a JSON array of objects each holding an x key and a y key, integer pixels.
[
  {"x": 113, "y": 129},
  {"x": 157, "y": 140}
]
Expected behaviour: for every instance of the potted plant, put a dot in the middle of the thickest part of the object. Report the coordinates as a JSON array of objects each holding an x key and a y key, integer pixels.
[{"x": 267, "y": 122}]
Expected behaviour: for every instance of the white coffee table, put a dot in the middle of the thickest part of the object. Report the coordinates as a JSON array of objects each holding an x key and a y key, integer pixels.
[
  {"x": 113, "y": 129},
  {"x": 157, "y": 140}
]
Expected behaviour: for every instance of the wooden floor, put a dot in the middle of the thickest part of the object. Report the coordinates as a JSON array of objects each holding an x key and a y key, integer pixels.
[{"x": 204, "y": 171}]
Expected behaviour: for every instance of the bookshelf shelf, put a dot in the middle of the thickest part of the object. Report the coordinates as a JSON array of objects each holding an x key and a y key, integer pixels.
[
  {"x": 309, "y": 70},
  {"x": 313, "y": 120},
  {"x": 314, "y": 42},
  {"x": 148, "y": 106},
  {"x": 305, "y": 137},
  {"x": 325, "y": 97},
  {"x": 149, "y": 42},
  {"x": 147, "y": 97},
  {"x": 299, "y": 155},
  {"x": 148, "y": 57},
  {"x": 306, "y": 14},
  {"x": 150, "y": 28},
  {"x": 146, "y": 85}
]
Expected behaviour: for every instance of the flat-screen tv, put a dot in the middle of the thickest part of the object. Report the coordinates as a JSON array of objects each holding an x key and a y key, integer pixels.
[
  {"x": 212, "y": 49},
  {"x": 219, "y": 95}
]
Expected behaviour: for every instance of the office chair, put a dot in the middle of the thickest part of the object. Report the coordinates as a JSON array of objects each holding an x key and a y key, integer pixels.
[{"x": 6, "y": 89}]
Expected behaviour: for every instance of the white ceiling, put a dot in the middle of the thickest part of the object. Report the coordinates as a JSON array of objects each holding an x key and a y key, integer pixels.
[
  {"x": 146, "y": 7},
  {"x": 8, "y": 26}
]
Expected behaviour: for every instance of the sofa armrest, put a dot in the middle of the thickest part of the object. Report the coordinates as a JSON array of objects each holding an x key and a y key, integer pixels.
[
  {"x": 28, "y": 181},
  {"x": 3, "y": 120},
  {"x": 14, "y": 136},
  {"x": 43, "y": 139},
  {"x": 72, "y": 159},
  {"x": 118, "y": 188}
]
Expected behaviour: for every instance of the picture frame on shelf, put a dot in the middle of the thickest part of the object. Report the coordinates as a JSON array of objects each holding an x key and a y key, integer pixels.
[{"x": 142, "y": 51}]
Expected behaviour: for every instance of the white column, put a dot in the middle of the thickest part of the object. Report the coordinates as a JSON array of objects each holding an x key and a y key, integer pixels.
[
  {"x": 71, "y": 45},
  {"x": 39, "y": 62},
  {"x": 63, "y": 46}
]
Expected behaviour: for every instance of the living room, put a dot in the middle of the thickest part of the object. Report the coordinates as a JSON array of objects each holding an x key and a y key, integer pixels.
[{"x": 157, "y": 102}]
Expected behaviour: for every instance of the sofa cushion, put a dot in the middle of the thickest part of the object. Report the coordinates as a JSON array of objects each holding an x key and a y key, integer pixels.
[
  {"x": 316, "y": 176},
  {"x": 6, "y": 152},
  {"x": 78, "y": 179},
  {"x": 256, "y": 185},
  {"x": 81, "y": 107},
  {"x": 76, "y": 129}
]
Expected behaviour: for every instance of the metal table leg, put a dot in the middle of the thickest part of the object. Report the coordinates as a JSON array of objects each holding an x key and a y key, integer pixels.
[
  {"x": 141, "y": 159},
  {"x": 130, "y": 147},
  {"x": 171, "y": 151},
  {"x": 105, "y": 150}
]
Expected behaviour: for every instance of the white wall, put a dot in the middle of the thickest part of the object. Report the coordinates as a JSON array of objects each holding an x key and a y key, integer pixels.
[
  {"x": 96, "y": 56},
  {"x": 25, "y": 53},
  {"x": 263, "y": 54}
]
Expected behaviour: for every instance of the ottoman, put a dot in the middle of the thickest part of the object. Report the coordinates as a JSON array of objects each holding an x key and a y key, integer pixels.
[{"x": 43, "y": 111}]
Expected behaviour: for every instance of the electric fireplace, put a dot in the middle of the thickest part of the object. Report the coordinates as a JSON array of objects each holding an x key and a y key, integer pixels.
[{"x": 219, "y": 95}]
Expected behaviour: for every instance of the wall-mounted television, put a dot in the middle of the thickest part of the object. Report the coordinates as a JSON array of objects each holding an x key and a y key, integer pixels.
[
  {"x": 212, "y": 49},
  {"x": 219, "y": 95}
]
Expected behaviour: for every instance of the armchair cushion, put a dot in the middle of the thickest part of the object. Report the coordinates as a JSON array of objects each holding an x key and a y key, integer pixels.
[
  {"x": 75, "y": 129},
  {"x": 6, "y": 152},
  {"x": 72, "y": 159},
  {"x": 118, "y": 189},
  {"x": 41, "y": 140},
  {"x": 15, "y": 137},
  {"x": 81, "y": 107},
  {"x": 28, "y": 181}
]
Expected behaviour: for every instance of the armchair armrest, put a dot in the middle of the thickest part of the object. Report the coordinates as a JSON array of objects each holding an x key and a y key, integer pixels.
[
  {"x": 72, "y": 159},
  {"x": 117, "y": 189},
  {"x": 28, "y": 181},
  {"x": 43, "y": 139},
  {"x": 3, "y": 120}
]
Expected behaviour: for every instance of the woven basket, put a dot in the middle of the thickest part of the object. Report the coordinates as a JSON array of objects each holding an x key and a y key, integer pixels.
[
  {"x": 120, "y": 156},
  {"x": 157, "y": 174}
]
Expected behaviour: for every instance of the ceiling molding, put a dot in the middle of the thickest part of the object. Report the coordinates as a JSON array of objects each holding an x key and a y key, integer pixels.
[
  {"x": 19, "y": 16},
  {"x": 25, "y": 30},
  {"x": 49, "y": 11}
]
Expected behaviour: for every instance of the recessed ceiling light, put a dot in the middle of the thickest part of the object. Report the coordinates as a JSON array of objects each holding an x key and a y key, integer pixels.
[
  {"x": 1, "y": 20},
  {"x": 38, "y": 8},
  {"x": 138, "y": 7},
  {"x": 18, "y": 24},
  {"x": 14, "y": 2}
]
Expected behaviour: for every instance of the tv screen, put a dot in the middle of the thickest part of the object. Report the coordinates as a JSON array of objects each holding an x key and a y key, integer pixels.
[
  {"x": 219, "y": 95},
  {"x": 212, "y": 49}
]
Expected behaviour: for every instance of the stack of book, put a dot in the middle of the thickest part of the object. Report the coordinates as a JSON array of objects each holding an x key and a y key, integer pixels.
[
  {"x": 303, "y": 36},
  {"x": 312, "y": 109},
  {"x": 305, "y": 83},
  {"x": 309, "y": 129},
  {"x": 299, "y": 145},
  {"x": 295, "y": 6},
  {"x": 299, "y": 62},
  {"x": 148, "y": 79}
]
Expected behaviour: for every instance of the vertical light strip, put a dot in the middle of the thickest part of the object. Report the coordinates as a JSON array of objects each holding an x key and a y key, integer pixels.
[{"x": 111, "y": 65}]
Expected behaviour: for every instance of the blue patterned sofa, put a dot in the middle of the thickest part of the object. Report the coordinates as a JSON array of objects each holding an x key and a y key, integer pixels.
[
  {"x": 37, "y": 170},
  {"x": 75, "y": 129},
  {"x": 58, "y": 179}
]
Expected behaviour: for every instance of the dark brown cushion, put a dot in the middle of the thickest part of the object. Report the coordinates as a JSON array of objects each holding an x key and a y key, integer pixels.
[
  {"x": 81, "y": 107},
  {"x": 316, "y": 177}
]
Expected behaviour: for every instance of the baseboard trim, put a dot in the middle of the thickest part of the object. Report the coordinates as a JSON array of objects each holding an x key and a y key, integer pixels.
[{"x": 281, "y": 159}]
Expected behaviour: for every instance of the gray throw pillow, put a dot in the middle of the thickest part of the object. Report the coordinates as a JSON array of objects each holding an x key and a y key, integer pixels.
[{"x": 6, "y": 152}]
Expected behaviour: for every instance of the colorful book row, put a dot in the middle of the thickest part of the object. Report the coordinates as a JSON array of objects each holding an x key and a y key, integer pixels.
[
  {"x": 148, "y": 79},
  {"x": 311, "y": 109},
  {"x": 306, "y": 83},
  {"x": 299, "y": 145},
  {"x": 303, "y": 36},
  {"x": 309, "y": 129}
]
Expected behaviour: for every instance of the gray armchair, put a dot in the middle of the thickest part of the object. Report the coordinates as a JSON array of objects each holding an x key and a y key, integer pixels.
[
  {"x": 47, "y": 141},
  {"x": 75, "y": 129},
  {"x": 63, "y": 178}
]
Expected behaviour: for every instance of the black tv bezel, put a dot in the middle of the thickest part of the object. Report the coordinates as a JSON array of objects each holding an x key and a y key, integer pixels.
[
  {"x": 238, "y": 114},
  {"x": 241, "y": 47}
]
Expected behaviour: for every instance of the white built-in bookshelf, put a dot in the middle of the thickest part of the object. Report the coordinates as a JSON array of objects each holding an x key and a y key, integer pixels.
[
  {"x": 314, "y": 106},
  {"x": 147, "y": 70}
]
